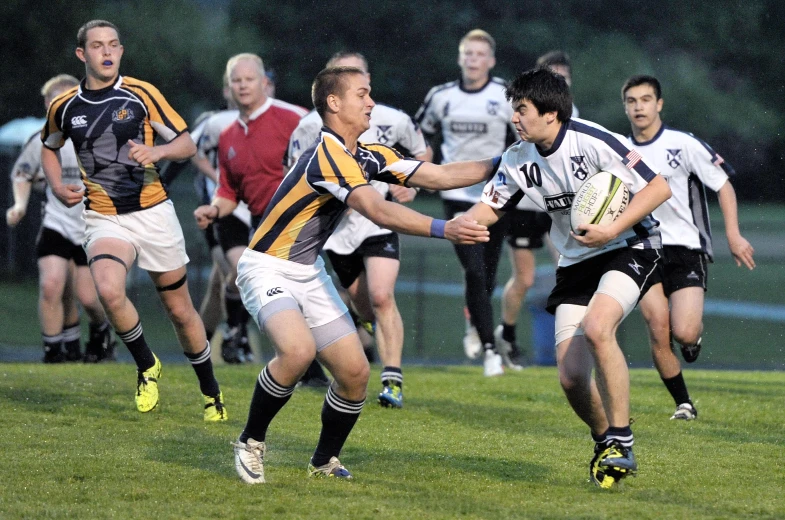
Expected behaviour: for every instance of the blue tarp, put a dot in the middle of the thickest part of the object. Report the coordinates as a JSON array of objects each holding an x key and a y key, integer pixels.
[{"x": 16, "y": 132}]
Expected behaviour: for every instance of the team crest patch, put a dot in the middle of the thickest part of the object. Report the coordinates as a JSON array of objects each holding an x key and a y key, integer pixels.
[
  {"x": 122, "y": 115},
  {"x": 674, "y": 158},
  {"x": 492, "y": 107},
  {"x": 578, "y": 169},
  {"x": 383, "y": 133}
]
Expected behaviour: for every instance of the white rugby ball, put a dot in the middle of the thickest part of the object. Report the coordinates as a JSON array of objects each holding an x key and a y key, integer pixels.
[{"x": 600, "y": 200}]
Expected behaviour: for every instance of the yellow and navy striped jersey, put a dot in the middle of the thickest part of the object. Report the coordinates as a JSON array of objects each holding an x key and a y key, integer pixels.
[
  {"x": 310, "y": 201},
  {"x": 100, "y": 123}
]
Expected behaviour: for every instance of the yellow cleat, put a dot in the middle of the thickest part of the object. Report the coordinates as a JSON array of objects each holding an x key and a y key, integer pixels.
[
  {"x": 147, "y": 387},
  {"x": 214, "y": 409}
]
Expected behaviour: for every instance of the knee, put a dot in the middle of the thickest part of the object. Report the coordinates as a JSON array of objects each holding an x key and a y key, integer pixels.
[
  {"x": 598, "y": 335},
  {"x": 357, "y": 376},
  {"x": 571, "y": 380},
  {"x": 51, "y": 288},
  {"x": 382, "y": 301},
  {"x": 687, "y": 334},
  {"x": 181, "y": 313},
  {"x": 112, "y": 295}
]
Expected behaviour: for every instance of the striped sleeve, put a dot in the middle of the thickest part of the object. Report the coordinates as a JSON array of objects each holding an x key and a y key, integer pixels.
[
  {"x": 334, "y": 170},
  {"x": 53, "y": 135},
  {"x": 165, "y": 121},
  {"x": 385, "y": 164}
]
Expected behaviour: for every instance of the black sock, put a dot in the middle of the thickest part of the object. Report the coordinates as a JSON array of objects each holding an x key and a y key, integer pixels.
[
  {"x": 338, "y": 418},
  {"x": 621, "y": 435},
  {"x": 52, "y": 344},
  {"x": 99, "y": 328},
  {"x": 392, "y": 376},
  {"x": 72, "y": 335},
  {"x": 203, "y": 366},
  {"x": 678, "y": 389},
  {"x": 137, "y": 346},
  {"x": 508, "y": 332},
  {"x": 268, "y": 399}
]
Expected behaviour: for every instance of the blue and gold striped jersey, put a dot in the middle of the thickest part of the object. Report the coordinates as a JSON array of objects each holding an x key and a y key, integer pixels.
[
  {"x": 310, "y": 201},
  {"x": 100, "y": 123}
]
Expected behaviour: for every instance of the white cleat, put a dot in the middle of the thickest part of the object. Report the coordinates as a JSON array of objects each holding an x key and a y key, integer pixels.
[
  {"x": 472, "y": 345},
  {"x": 505, "y": 349},
  {"x": 685, "y": 412},
  {"x": 249, "y": 461},
  {"x": 492, "y": 365}
]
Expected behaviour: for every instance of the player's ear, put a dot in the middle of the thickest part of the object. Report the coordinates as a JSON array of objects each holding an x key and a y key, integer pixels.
[
  {"x": 333, "y": 102},
  {"x": 659, "y": 105},
  {"x": 493, "y": 62},
  {"x": 80, "y": 54}
]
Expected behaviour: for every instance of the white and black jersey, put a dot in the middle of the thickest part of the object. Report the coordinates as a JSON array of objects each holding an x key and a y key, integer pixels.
[
  {"x": 474, "y": 124},
  {"x": 689, "y": 165},
  {"x": 57, "y": 216},
  {"x": 550, "y": 179},
  {"x": 206, "y": 136},
  {"x": 389, "y": 126}
]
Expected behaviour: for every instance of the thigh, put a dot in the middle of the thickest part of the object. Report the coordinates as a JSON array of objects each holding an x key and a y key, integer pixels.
[
  {"x": 687, "y": 306},
  {"x": 344, "y": 358},
  {"x": 381, "y": 274},
  {"x": 110, "y": 259},
  {"x": 289, "y": 333},
  {"x": 53, "y": 270},
  {"x": 523, "y": 264}
]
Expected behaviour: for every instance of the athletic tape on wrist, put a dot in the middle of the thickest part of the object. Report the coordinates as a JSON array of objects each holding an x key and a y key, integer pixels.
[{"x": 437, "y": 228}]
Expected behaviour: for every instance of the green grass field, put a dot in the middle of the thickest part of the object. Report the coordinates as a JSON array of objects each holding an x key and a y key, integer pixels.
[{"x": 463, "y": 447}]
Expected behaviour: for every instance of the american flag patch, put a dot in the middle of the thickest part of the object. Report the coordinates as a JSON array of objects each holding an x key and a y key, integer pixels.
[
  {"x": 631, "y": 159},
  {"x": 717, "y": 160}
]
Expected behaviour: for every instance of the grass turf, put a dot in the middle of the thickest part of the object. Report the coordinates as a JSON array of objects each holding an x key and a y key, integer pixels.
[{"x": 463, "y": 447}]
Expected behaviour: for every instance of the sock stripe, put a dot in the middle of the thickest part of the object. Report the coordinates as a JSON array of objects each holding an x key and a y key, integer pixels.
[
  {"x": 270, "y": 386},
  {"x": 132, "y": 334},
  {"x": 340, "y": 404},
  {"x": 201, "y": 357},
  {"x": 396, "y": 377},
  {"x": 57, "y": 338}
]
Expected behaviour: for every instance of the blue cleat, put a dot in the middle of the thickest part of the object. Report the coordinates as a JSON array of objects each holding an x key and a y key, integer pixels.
[
  {"x": 391, "y": 397},
  {"x": 333, "y": 469}
]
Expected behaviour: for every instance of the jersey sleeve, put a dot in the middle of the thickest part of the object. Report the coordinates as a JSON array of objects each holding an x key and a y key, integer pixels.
[
  {"x": 627, "y": 164},
  {"x": 385, "y": 164},
  {"x": 708, "y": 165},
  {"x": 163, "y": 119},
  {"x": 28, "y": 164},
  {"x": 53, "y": 134},
  {"x": 502, "y": 191},
  {"x": 410, "y": 137},
  {"x": 426, "y": 116},
  {"x": 334, "y": 171},
  {"x": 226, "y": 188},
  {"x": 301, "y": 139}
]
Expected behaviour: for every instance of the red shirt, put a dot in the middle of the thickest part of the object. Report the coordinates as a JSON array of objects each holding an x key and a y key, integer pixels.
[{"x": 251, "y": 156}]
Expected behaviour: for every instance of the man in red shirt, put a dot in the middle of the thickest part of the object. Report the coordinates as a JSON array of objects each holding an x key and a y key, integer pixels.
[{"x": 250, "y": 162}]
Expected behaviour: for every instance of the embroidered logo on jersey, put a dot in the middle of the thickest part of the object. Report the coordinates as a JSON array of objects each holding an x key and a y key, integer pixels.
[
  {"x": 560, "y": 202},
  {"x": 231, "y": 153},
  {"x": 78, "y": 121},
  {"x": 492, "y": 107},
  {"x": 631, "y": 159},
  {"x": 578, "y": 170},
  {"x": 122, "y": 115},
  {"x": 674, "y": 158},
  {"x": 459, "y": 127},
  {"x": 383, "y": 134},
  {"x": 635, "y": 267}
]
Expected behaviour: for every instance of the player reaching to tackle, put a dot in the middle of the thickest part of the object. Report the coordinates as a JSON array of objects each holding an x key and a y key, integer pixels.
[{"x": 602, "y": 274}]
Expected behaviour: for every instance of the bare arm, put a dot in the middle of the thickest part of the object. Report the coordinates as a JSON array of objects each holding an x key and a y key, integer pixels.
[
  {"x": 209, "y": 213},
  {"x": 369, "y": 203},
  {"x": 18, "y": 211},
  {"x": 644, "y": 202},
  {"x": 452, "y": 175},
  {"x": 426, "y": 156},
  {"x": 205, "y": 167},
  {"x": 484, "y": 214},
  {"x": 178, "y": 149},
  {"x": 69, "y": 194},
  {"x": 741, "y": 250}
]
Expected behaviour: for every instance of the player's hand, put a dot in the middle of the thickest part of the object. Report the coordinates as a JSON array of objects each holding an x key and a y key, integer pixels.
[
  {"x": 69, "y": 194},
  {"x": 142, "y": 153},
  {"x": 463, "y": 230},
  {"x": 402, "y": 194},
  {"x": 14, "y": 215},
  {"x": 205, "y": 215},
  {"x": 594, "y": 236},
  {"x": 742, "y": 251}
]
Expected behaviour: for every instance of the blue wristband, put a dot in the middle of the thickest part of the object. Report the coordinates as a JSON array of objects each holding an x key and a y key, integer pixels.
[{"x": 437, "y": 228}]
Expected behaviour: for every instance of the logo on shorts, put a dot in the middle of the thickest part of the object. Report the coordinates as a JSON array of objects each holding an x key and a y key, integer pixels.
[
  {"x": 122, "y": 115},
  {"x": 274, "y": 291},
  {"x": 693, "y": 276},
  {"x": 78, "y": 121},
  {"x": 635, "y": 267},
  {"x": 389, "y": 247}
]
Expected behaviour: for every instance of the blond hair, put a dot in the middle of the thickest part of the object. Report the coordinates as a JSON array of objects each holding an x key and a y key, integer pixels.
[
  {"x": 58, "y": 83},
  {"x": 478, "y": 35},
  {"x": 243, "y": 56}
]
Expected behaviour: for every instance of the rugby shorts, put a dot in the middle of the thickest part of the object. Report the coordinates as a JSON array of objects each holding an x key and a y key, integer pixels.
[
  {"x": 527, "y": 228},
  {"x": 681, "y": 267},
  {"x": 349, "y": 267},
  {"x": 232, "y": 232},
  {"x": 50, "y": 242}
]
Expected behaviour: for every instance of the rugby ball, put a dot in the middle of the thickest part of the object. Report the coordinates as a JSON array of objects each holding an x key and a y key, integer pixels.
[{"x": 600, "y": 200}]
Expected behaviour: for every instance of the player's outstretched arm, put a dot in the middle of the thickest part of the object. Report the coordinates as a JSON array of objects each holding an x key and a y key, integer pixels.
[
  {"x": 21, "y": 189},
  {"x": 369, "y": 203},
  {"x": 178, "y": 149},
  {"x": 741, "y": 250},
  {"x": 68, "y": 194},
  {"x": 644, "y": 202},
  {"x": 452, "y": 175},
  {"x": 209, "y": 213}
]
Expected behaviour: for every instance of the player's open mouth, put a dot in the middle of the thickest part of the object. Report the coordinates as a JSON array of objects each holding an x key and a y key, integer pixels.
[{"x": 107, "y": 63}]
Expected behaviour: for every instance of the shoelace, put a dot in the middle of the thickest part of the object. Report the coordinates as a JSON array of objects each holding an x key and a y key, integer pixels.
[{"x": 257, "y": 455}]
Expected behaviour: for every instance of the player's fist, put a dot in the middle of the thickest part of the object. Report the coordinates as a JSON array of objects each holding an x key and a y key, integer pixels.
[
  {"x": 402, "y": 194},
  {"x": 14, "y": 215},
  {"x": 142, "y": 153},
  {"x": 68, "y": 194},
  {"x": 205, "y": 215},
  {"x": 463, "y": 230}
]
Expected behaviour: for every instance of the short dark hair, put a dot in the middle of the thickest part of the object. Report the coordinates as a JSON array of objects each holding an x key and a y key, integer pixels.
[
  {"x": 81, "y": 35},
  {"x": 549, "y": 59},
  {"x": 642, "y": 79},
  {"x": 546, "y": 90},
  {"x": 328, "y": 82}
]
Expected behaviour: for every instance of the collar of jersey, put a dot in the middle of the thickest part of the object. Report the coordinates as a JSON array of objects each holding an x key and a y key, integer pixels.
[
  {"x": 644, "y": 143},
  {"x": 473, "y": 91},
  {"x": 557, "y": 142},
  {"x": 84, "y": 90},
  {"x": 256, "y": 113}
]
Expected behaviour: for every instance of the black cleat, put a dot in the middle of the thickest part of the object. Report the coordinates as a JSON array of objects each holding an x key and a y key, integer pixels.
[
  {"x": 101, "y": 346},
  {"x": 691, "y": 352}
]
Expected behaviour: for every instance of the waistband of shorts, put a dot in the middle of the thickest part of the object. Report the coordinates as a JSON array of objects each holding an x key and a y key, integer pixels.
[{"x": 274, "y": 262}]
